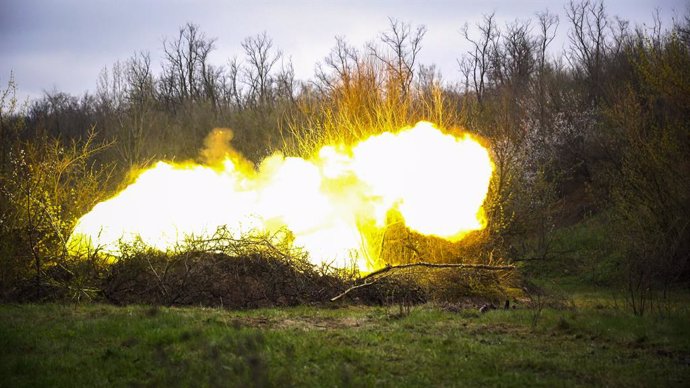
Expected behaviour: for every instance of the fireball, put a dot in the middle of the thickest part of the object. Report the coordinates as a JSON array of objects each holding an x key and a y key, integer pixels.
[{"x": 435, "y": 181}]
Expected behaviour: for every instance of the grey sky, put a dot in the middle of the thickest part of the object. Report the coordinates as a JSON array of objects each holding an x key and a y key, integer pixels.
[{"x": 64, "y": 44}]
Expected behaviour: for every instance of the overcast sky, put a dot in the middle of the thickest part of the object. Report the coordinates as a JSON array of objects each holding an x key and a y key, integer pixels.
[{"x": 64, "y": 44}]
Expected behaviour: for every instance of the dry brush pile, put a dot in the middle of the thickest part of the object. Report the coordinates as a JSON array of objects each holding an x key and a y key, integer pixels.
[{"x": 253, "y": 272}]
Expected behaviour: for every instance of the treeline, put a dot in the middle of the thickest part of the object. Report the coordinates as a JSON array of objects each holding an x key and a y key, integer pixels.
[{"x": 600, "y": 130}]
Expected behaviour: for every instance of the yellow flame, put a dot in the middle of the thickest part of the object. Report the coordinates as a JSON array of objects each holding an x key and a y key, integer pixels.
[{"x": 435, "y": 181}]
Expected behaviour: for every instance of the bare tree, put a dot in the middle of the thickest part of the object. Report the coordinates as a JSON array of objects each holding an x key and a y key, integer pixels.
[
  {"x": 261, "y": 58},
  {"x": 429, "y": 78},
  {"x": 111, "y": 90},
  {"x": 11, "y": 123},
  {"x": 620, "y": 32},
  {"x": 233, "y": 83},
  {"x": 140, "y": 94},
  {"x": 512, "y": 59},
  {"x": 285, "y": 82},
  {"x": 403, "y": 45},
  {"x": 548, "y": 25},
  {"x": 252, "y": 83},
  {"x": 186, "y": 72},
  {"x": 589, "y": 42},
  {"x": 478, "y": 65},
  {"x": 340, "y": 66},
  {"x": 127, "y": 98},
  {"x": 139, "y": 78},
  {"x": 682, "y": 27}
]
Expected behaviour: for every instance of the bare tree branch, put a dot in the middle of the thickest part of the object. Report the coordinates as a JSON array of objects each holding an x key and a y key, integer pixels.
[{"x": 388, "y": 268}]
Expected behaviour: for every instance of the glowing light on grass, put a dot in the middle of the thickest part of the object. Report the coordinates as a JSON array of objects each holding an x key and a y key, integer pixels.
[{"x": 435, "y": 181}]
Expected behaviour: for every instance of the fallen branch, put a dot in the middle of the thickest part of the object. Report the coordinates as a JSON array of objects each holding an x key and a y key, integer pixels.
[
  {"x": 387, "y": 268},
  {"x": 365, "y": 284},
  {"x": 485, "y": 267}
]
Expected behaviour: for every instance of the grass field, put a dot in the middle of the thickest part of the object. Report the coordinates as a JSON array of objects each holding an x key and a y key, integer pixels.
[{"x": 590, "y": 343}]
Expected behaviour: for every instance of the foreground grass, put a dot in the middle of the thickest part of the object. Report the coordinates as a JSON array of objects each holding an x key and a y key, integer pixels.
[{"x": 101, "y": 345}]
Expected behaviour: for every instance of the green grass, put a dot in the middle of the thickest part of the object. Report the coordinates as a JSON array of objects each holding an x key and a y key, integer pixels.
[
  {"x": 101, "y": 345},
  {"x": 578, "y": 254}
]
